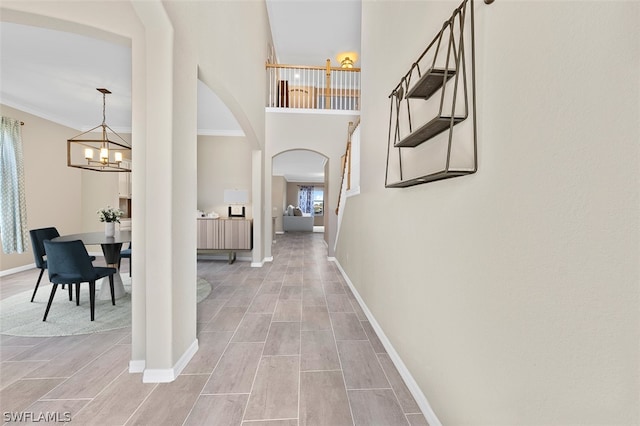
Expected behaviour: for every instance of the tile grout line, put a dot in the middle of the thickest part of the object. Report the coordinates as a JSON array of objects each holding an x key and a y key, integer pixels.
[
  {"x": 246, "y": 405},
  {"x": 82, "y": 369},
  {"x": 383, "y": 370},
  {"x": 196, "y": 399},
  {"x": 300, "y": 360},
  {"x": 335, "y": 343},
  {"x": 64, "y": 399},
  {"x": 218, "y": 361},
  {"x": 222, "y": 394},
  {"x": 155, "y": 386},
  {"x": 99, "y": 393}
]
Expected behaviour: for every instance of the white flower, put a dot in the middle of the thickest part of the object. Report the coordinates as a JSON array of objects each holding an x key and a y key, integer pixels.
[{"x": 110, "y": 214}]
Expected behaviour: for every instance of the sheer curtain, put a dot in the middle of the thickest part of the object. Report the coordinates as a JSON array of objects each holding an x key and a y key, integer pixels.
[
  {"x": 13, "y": 208},
  {"x": 305, "y": 199}
]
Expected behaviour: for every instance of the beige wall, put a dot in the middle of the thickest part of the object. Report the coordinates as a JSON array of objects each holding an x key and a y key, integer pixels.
[
  {"x": 278, "y": 199},
  {"x": 224, "y": 162},
  {"x": 512, "y": 295},
  {"x": 324, "y": 134},
  {"x": 246, "y": 22},
  {"x": 57, "y": 195}
]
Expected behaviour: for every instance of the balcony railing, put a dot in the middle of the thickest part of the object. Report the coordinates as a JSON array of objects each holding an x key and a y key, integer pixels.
[{"x": 309, "y": 87}]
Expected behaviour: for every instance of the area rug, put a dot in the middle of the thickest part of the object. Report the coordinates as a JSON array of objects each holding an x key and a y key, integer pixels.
[{"x": 20, "y": 317}]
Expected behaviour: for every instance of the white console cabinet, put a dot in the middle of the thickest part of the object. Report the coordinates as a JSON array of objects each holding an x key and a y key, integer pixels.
[{"x": 225, "y": 234}]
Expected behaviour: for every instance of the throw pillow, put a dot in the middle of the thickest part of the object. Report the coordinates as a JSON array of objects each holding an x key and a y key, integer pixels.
[{"x": 297, "y": 211}]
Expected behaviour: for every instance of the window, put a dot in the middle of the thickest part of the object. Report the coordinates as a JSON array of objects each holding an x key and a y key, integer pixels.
[
  {"x": 318, "y": 202},
  {"x": 311, "y": 200}
]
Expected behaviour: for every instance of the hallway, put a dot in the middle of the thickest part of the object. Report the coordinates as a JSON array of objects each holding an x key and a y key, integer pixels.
[{"x": 285, "y": 344}]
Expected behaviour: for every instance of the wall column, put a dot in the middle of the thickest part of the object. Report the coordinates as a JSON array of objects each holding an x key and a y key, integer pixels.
[
  {"x": 138, "y": 182},
  {"x": 257, "y": 200},
  {"x": 268, "y": 207},
  {"x": 170, "y": 311}
]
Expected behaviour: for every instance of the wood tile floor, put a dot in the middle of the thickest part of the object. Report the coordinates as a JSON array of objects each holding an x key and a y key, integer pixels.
[{"x": 286, "y": 344}]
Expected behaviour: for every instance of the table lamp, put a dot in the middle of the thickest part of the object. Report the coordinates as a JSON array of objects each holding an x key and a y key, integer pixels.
[{"x": 236, "y": 198}]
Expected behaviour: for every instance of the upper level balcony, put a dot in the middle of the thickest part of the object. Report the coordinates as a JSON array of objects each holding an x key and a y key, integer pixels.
[{"x": 307, "y": 88}]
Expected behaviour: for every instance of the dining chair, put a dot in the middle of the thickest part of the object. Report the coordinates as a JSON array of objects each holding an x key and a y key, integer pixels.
[
  {"x": 126, "y": 253},
  {"x": 69, "y": 263},
  {"x": 38, "y": 236}
]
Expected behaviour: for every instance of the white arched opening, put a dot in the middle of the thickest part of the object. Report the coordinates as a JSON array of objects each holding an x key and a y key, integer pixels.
[{"x": 292, "y": 170}]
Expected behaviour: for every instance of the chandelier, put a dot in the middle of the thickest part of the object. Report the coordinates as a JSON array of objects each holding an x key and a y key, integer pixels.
[{"x": 109, "y": 153}]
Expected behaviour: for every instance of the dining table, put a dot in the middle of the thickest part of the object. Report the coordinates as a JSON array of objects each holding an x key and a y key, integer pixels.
[{"x": 111, "y": 246}]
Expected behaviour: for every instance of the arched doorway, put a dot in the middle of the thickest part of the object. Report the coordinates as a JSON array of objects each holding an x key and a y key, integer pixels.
[{"x": 299, "y": 189}]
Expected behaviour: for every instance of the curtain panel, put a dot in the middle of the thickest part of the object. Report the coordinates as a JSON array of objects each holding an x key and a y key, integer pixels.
[
  {"x": 13, "y": 208},
  {"x": 305, "y": 198}
]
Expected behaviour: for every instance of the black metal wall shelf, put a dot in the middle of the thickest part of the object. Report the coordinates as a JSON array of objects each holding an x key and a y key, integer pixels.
[
  {"x": 430, "y": 82},
  {"x": 429, "y": 178},
  {"x": 453, "y": 109},
  {"x": 434, "y": 127}
]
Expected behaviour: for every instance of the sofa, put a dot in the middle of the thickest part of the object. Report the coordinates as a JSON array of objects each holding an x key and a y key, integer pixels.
[
  {"x": 294, "y": 220},
  {"x": 297, "y": 223}
]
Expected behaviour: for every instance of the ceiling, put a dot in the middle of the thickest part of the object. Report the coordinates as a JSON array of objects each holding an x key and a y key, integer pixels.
[
  {"x": 299, "y": 166},
  {"x": 51, "y": 83},
  {"x": 308, "y": 32}
]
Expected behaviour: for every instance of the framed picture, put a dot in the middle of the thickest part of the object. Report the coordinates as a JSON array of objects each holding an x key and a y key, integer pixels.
[{"x": 236, "y": 211}]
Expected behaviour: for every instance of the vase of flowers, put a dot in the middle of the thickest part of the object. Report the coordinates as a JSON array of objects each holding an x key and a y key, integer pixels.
[{"x": 110, "y": 216}]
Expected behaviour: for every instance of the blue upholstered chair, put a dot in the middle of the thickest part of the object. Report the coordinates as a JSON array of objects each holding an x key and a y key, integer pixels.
[
  {"x": 38, "y": 236},
  {"x": 37, "y": 239},
  {"x": 69, "y": 263},
  {"x": 125, "y": 253}
]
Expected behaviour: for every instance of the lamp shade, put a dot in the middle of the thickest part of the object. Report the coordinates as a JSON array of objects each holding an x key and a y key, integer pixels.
[{"x": 236, "y": 196}]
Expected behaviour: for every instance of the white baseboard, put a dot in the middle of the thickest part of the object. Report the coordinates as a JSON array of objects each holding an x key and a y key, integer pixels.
[
  {"x": 136, "y": 366},
  {"x": 166, "y": 375},
  {"x": 261, "y": 263},
  {"x": 17, "y": 269},
  {"x": 412, "y": 385}
]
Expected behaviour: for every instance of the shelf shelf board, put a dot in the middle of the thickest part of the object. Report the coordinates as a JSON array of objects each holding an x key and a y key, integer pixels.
[
  {"x": 430, "y": 178},
  {"x": 427, "y": 131},
  {"x": 430, "y": 82}
]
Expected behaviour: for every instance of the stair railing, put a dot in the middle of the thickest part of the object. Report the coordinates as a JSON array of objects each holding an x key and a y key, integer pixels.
[
  {"x": 345, "y": 184},
  {"x": 313, "y": 87}
]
